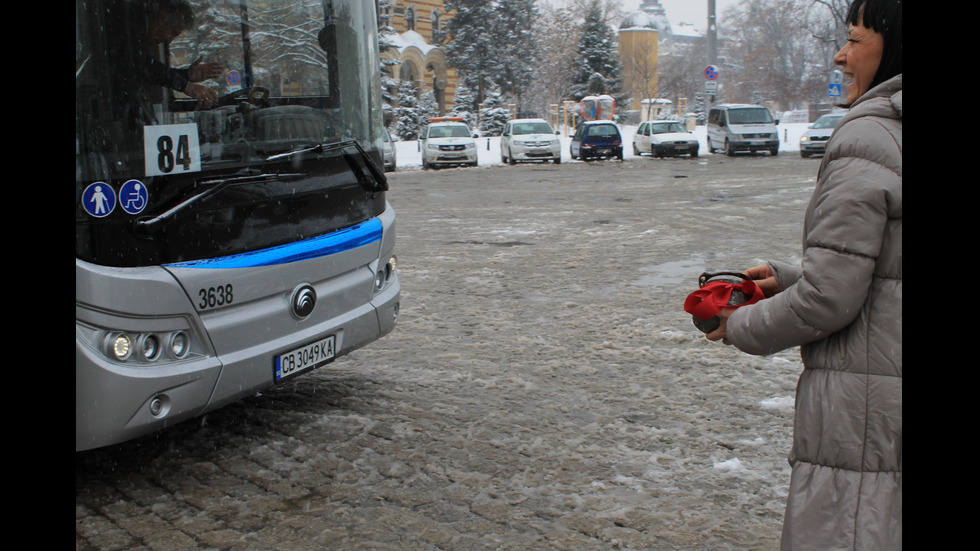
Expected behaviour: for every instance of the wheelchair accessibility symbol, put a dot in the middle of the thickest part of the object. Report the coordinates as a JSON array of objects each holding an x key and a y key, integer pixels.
[{"x": 133, "y": 197}]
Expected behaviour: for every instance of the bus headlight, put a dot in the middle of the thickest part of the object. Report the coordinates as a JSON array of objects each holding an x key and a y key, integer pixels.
[
  {"x": 121, "y": 346},
  {"x": 143, "y": 344},
  {"x": 385, "y": 274},
  {"x": 150, "y": 347},
  {"x": 179, "y": 344}
]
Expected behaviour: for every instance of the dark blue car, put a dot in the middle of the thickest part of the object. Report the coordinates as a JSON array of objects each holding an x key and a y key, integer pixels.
[{"x": 597, "y": 140}]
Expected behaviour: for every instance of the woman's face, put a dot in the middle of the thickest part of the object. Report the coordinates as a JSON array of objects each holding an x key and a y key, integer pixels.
[{"x": 859, "y": 59}]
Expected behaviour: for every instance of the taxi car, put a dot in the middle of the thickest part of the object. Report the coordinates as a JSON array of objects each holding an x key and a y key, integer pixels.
[
  {"x": 448, "y": 142},
  {"x": 529, "y": 140},
  {"x": 664, "y": 138}
]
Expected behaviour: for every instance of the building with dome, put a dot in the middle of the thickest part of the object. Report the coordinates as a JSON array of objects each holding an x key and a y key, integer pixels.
[
  {"x": 654, "y": 52},
  {"x": 639, "y": 49},
  {"x": 413, "y": 47}
]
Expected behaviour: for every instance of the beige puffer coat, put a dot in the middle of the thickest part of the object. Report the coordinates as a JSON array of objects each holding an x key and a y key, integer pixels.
[{"x": 844, "y": 306}]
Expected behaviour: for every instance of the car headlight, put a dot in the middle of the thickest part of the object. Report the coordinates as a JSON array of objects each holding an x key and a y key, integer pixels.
[
  {"x": 470, "y": 146},
  {"x": 432, "y": 147},
  {"x": 803, "y": 139}
]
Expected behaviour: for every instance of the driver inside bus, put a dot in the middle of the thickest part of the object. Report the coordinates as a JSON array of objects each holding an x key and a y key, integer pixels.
[
  {"x": 167, "y": 20},
  {"x": 135, "y": 45}
]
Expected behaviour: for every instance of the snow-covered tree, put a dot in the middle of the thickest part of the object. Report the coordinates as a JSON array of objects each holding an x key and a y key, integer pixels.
[
  {"x": 469, "y": 43},
  {"x": 517, "y": 46},
  {"x": 598, "y": 62},
  {"x": 493, "y": 115},
  {"x": 408, "y": 125},
  {"x": 558, "y": 32},
  {"x": 428, "y": 107},
  {"x": 389, "y": 84},
  {"x": 465, "y": 105},
  {"x": 491, "y": 43}
]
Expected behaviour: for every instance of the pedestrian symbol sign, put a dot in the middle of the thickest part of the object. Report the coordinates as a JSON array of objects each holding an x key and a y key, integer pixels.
[
  {"x": 836, "y": 83},
  {"x": 99, "y": 199}
]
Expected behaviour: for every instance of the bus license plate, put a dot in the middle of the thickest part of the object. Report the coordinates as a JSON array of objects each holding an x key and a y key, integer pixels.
[{"x": 305, "y": 357}]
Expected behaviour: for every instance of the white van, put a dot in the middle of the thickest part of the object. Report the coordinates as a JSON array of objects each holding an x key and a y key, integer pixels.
[{"x": 738, "y": 127}]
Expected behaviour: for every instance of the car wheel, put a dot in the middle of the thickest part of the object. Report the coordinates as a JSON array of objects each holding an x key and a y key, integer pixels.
[
  {"x": 710, "y": 149},
  {"x": 636, "y": 150},
  {"x": 558, "y": 160},
  {"x": 511, "y": 160},
  {"x": 729, "y": 150},
  {"x": 774, "y": 151}
]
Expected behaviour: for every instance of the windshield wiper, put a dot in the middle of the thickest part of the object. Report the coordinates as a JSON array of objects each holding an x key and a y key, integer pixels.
[
  {"x": 213, "y": 186},
  {"x": 373, "y": 180}
]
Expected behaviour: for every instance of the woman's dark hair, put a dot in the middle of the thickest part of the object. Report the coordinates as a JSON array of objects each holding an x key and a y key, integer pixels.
[{"x": 884, "y": 17}]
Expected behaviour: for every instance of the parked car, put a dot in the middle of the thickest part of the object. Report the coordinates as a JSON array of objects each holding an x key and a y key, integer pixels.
[
  {"x": 739, "y": 127},
  {"x": 664, "y": 138},
  {"x": 596, "y": 139},
  {"x": 814, "y": 140},
  {"x": 388, "y": 152},
  {"x": 448, "y": 142},
  {"x": 529, "y": 140}
]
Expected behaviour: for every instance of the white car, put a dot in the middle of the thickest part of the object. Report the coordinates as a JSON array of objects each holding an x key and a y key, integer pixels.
[
  {"x": 448, "y": 142},
  {"x": 388, "y": 151},
  {"x": 663, "y": 138},
  {"x": 814, "y": 140},
  {"x": 529, "y": 140}
]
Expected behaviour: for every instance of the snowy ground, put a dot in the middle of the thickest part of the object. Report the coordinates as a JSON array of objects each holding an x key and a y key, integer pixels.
[
  {"x": 489, "y": 148},
  {"x": 543, "y": 389}
]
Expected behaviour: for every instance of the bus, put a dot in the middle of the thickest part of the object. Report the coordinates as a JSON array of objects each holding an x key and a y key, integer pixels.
[{"x": 232, "y": 228}]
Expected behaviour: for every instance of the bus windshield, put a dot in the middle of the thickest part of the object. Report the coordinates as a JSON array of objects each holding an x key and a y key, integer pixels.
[{"x": 216, "y": 127}]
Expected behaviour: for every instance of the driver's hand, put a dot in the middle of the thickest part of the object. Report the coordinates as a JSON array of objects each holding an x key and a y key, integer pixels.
[{"x": 204, "y": 95}]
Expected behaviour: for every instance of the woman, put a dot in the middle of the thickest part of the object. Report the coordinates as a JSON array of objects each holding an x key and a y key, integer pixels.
[{"x": 843, "y": 305}]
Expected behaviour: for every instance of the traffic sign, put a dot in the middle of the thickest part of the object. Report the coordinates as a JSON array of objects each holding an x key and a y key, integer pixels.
[
  {"x": 711, "y": 72},
  {"x": 833, "y": 90}
]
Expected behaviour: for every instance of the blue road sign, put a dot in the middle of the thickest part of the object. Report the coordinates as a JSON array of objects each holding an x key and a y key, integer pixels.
[
  {"x": 833, "y": 90},
  {"x": 711, "y": 72},
  {"x": 133, "y": 197},
  {"x": 99, "y": 199}
]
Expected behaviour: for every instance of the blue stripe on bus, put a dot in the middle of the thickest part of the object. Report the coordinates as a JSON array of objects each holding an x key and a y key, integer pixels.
[{"x": 324, "y": 245}]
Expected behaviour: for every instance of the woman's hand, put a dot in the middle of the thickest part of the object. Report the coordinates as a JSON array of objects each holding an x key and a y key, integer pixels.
[
  {"x": 763, "y": 277},
  {"x": 722, "y": 332}
]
